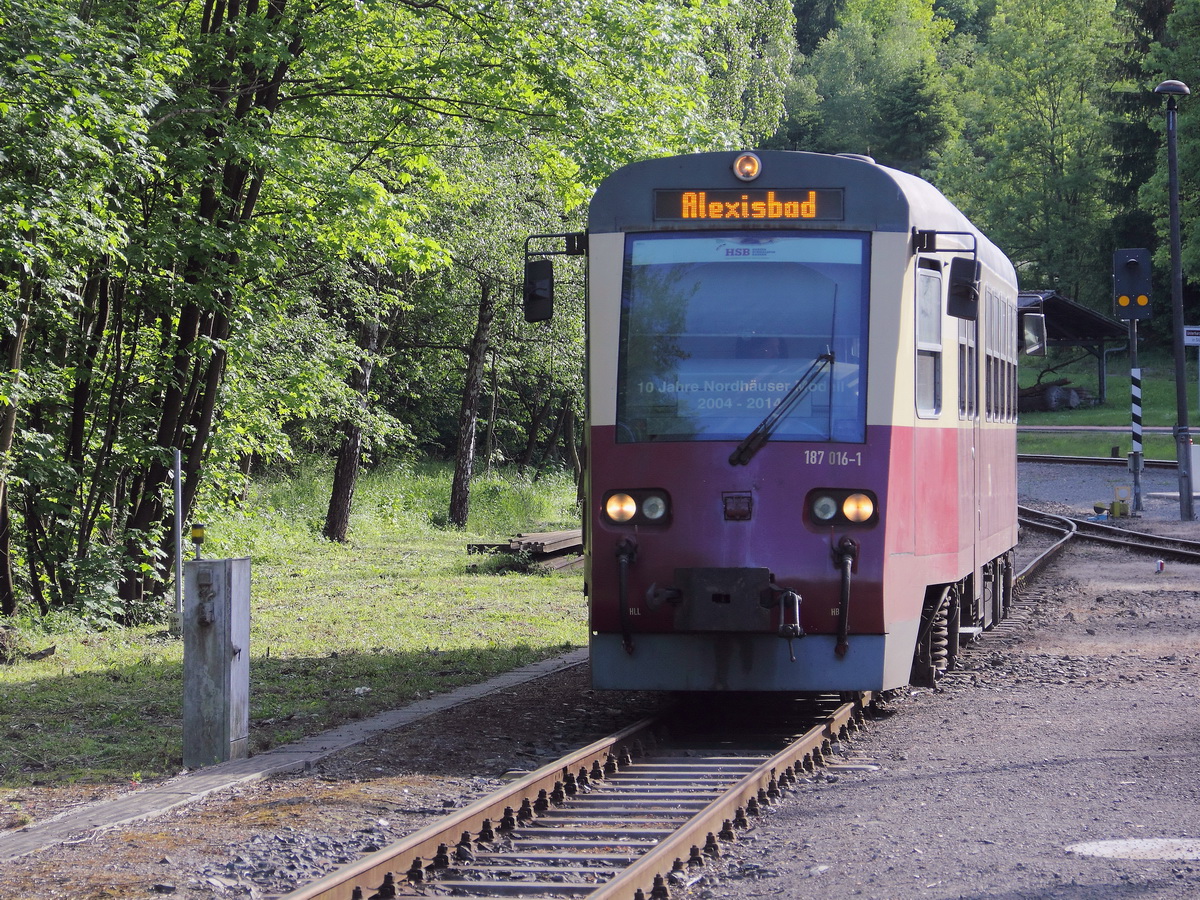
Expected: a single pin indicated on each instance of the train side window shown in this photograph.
(929, 339)
(968, 370)
(992, 350)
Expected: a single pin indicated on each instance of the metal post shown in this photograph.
(178, 475)
(1135, 385)
(1183, 442)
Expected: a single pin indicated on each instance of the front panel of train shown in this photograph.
(736, 491)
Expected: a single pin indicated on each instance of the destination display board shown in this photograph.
(790, 205)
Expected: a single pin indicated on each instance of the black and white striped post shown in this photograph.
(1135, 384)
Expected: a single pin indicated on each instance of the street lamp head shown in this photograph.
(1173, 88)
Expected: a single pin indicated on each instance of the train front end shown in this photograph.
(780, 472)
(737, 484)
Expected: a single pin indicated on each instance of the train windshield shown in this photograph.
(717, 328)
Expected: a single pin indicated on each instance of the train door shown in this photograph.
(971, 379)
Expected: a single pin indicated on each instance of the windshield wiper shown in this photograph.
(755, 440)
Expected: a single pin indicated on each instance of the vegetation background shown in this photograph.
(338, 630)
(283, 240)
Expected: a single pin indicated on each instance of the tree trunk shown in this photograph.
(578, 456)
(552, 441)
(8, 595)
(468, 416)
(345, 473)
(345, 477)
(489, 441)
(569, 447)
(540, 414)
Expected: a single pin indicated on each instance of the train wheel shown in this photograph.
(937, 643)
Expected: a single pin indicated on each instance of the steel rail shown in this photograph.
(639, 850)
(1170, 547)
(1093, 460)
(1178, 549)
(1042, 521)
(371, 869)
(646, 877)
(636, 835)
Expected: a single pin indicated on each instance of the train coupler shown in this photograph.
(656, 596)
(789, 625)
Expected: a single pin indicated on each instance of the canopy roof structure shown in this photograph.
(1071, 324)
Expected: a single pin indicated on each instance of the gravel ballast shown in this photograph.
(1078, 725)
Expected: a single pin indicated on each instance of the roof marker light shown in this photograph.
(747, 166)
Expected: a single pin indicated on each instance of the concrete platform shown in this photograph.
(190, 786)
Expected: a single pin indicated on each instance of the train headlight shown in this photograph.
(654, 507)
(634, 507)
(747, 166)
(858, 507)
(620, 507)
(839, 506)
(824, 508)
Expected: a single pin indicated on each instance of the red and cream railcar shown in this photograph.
(801, 461)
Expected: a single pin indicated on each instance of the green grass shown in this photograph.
(1154, 446)
(338, 632)
(1158, 406)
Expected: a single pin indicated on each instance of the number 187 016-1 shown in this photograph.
(832, 457)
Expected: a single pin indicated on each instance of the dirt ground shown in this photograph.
(263, 839)
(1077, 722)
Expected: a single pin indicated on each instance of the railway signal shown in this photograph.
(1131, 284)
(1131, 302)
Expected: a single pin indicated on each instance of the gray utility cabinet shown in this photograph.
(216, 661)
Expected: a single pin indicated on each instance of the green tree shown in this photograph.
(915, 117)
(1175, 57)
(874, 85)
(1031, 164)
(77, 93)
(224, 219)
(750, 52)
(814, 20)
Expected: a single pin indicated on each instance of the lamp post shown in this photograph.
(1173, 90)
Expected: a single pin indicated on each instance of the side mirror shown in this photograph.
(963, 299)
(538, 290)
(1033, 334)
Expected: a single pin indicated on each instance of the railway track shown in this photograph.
(1060, 528)
(1085, 529)
(1120, 461)
(638, 813)
(622, 819)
